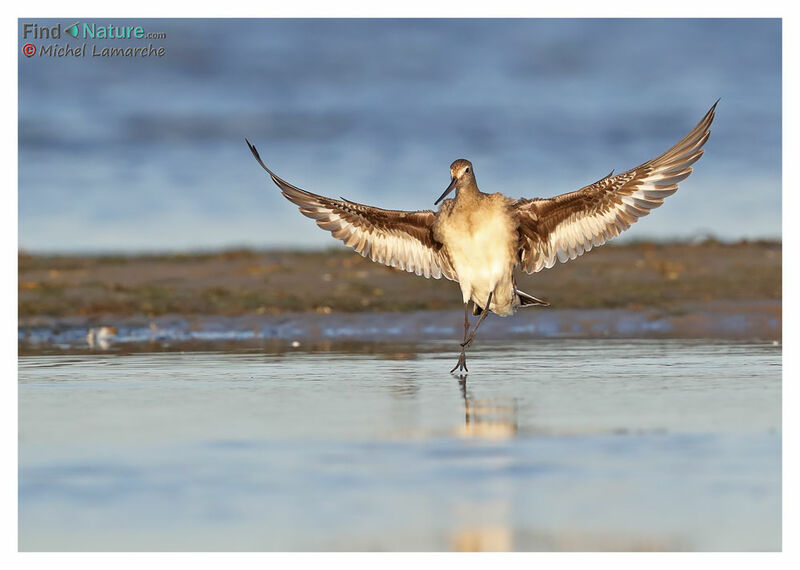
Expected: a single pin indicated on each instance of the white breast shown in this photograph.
(481, 244)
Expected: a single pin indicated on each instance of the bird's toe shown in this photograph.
(461, 365)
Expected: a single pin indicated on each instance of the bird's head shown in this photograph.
(461, 175)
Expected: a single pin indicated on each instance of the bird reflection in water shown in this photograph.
(490, 539)
(485, 526)
(492, 418)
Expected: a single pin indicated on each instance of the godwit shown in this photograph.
(479, 239)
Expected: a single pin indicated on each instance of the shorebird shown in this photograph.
(479, 239)
(101, 337)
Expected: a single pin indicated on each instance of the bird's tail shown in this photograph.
(526, 300)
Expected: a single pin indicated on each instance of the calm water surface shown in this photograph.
(552, 445)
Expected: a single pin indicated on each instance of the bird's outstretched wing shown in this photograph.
(568, 225)
(393, 237)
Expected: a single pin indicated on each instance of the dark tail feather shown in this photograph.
(526, 300)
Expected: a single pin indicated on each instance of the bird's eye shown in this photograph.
(467, 170)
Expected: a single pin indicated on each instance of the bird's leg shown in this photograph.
(466, 320)
(462, 360)
(480, 320)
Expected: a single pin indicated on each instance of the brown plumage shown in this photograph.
(571, 224)
(395, 238)
(479, 239)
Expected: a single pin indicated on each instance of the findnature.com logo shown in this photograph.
(89, 31)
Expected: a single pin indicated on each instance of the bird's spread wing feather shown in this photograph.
(568, 225)
(393, 237)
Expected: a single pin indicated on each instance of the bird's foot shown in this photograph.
(461, 365)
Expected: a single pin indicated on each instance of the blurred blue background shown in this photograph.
(132, 154)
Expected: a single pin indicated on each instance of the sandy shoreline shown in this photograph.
(240, 282)
(641, 290)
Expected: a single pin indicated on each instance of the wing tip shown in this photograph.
(280, 183)
(710, 114)
(257, 156)
(252, 148)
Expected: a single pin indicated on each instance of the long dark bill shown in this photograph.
(446, 192)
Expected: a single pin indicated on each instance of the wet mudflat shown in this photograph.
(550, 444)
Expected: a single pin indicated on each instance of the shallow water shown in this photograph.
(547, 445)
(754, 321)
